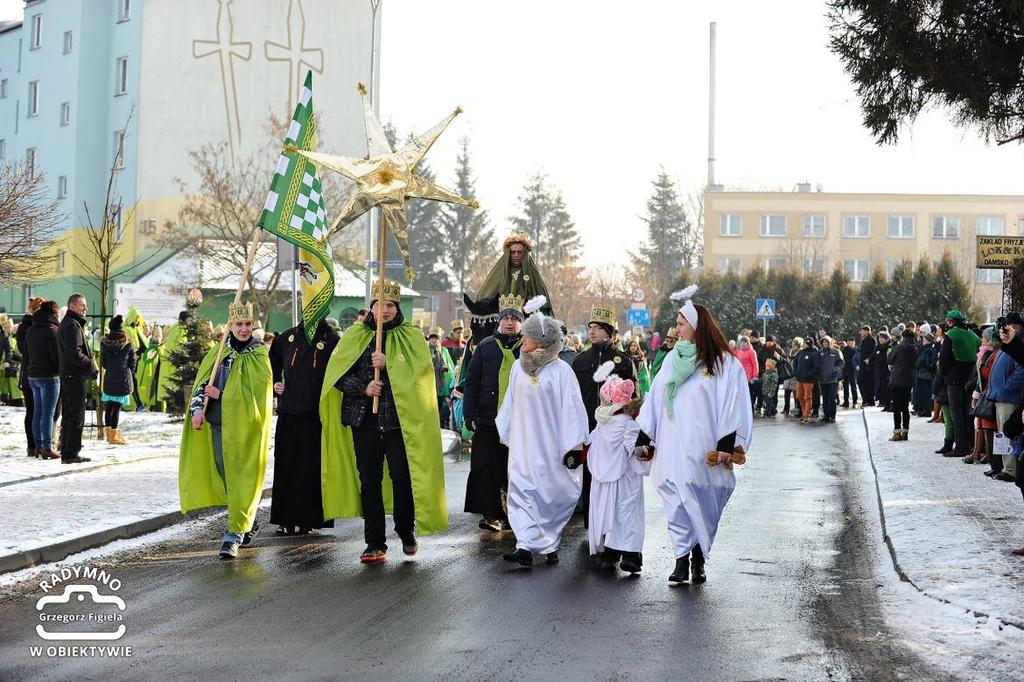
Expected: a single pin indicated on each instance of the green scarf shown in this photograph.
(965, 344)
(682, 369)
(411, 374)
(247, 405)
(508, 358)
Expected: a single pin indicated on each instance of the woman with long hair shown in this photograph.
(699, 416)
(643, 368)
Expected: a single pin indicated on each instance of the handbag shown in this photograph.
(985, 409)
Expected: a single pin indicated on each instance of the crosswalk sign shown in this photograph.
(765, 309)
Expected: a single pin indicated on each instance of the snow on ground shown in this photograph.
(951, 527)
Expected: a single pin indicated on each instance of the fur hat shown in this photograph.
(544, 330)
(617, 391)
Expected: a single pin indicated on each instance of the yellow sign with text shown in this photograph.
(1000, 253)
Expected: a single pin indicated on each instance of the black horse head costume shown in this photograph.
(483, 317)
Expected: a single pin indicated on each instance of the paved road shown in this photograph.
(790, 596)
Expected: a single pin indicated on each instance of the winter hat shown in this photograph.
(688, 312)
(925, 328)
(956, 316)
(930, 338)
(116, 323)
(184, 315)
(614, 389)
(544, 330)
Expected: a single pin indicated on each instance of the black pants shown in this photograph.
(788, 395)
(849, 391)
(72, 421)
(29, 405)
(829, 398)
(866, 380)
(963, 424)
(372, 447)
(298, 500)
(900, 408)
(488, 474)
(111, 414)
(816, 399)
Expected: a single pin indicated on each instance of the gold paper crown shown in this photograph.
(513, 301)
(437, 330)
(603, 315)
(457, 324)
(672, 333)
(518, 238)
(238, 312)
(392, 291)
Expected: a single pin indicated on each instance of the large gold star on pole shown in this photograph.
(386, 178)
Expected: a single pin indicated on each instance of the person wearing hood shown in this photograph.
(43, 346)
(543, 422)
(117, 357)
(175, 337)
(924, 374)
(515, 272)
(77, 367)
(483, 393)
(404, 430)
(224, 446)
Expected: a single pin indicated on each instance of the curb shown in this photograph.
(80, 470)
(892, 548)
(61, 550)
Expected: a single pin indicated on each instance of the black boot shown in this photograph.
(947, 447)
(631, 562)
(697, 565)
(682, 572)
(520, 556)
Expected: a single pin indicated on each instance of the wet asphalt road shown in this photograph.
(789, 596)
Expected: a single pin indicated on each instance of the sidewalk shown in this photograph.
(950, 527)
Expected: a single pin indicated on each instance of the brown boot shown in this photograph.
(897, 436)
(115, 437)
(48, 453)
(107, 434)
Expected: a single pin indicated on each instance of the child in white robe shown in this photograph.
(616, 523)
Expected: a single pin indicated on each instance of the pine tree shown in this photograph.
(426, 239)
(186, 360)
(546, 219)
(467, 236)
(670, 239)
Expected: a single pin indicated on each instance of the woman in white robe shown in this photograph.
(541, 419)
(690, 411)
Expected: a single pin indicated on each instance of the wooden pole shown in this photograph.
(254, 242)
(382, 255)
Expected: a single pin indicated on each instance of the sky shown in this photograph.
(600, 95)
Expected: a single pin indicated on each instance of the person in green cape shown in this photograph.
(444, 374)
(671, 336)
(224, 447)
(147, 372)
(483, 393)
(173, 340)
(515, 273)
(135, 330)
(405, 431)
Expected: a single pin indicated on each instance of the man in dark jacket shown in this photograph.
(848, 350)
(831, 373)
(957, 358)
(866, 370)
(883, 394)
(483, 392)
(807, 371)
(298, 367)
(901, 361)
(76, 368)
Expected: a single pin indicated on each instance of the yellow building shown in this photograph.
(818, 231)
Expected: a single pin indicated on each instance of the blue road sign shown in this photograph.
(765, 309)
(638, 318)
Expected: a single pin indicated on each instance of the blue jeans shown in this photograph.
(218, 458)
(44, 404)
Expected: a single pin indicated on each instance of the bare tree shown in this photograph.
(29, 219)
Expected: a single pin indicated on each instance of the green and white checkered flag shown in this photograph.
(295, 212)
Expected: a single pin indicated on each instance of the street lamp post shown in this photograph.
(371, 224)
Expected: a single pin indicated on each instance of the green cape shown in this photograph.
(145, 371)
(659, 358)
(412, 384)
(173, 339)
(246, 409)
(965, 344)
(528, 284)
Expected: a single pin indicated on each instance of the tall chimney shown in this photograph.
(711, 114)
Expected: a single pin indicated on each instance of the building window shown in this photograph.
(3, 88)
(856, 226)
(60, 260)
(121, 86)
(890, 268)
(118, 226)
(3, 148)
(730, 264)
(33, 98)
(814, 225)
(775, 263)
(118, 149)
(65, 113)
(989, 276)
(124, 10)
(773, 225)
(730, 225)
(990, 226)
(814, 266)
(856, 270)
(67, 42)
(1020, 225)
(37, 31)
(30, 161)
(945, 227)
(901, 227)
(62, 187)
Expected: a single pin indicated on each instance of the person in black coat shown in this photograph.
(849, 374)
(299, 367)
(43, 345)
(76, 368)
(482, 395)
(866, 370)
(901, 363)
(880, 363)
(117, 357)
(807, 371)
(21, 341)
(1014, 347)
(924, 374)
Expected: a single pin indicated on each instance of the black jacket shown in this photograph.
(848, 369)
(831, 370)
(587, 362)
(356, 407)
(867, 351)
(956, 373)
(42, 346)
(880, 363)
(807, 366)
(480, 391)
(301, 367)
(764, 353)
(75, 353)
(118, 360)
(20, 339)
(901, 364)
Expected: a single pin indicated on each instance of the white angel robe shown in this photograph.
(705, 410)
(541, 420)
(616, 487)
